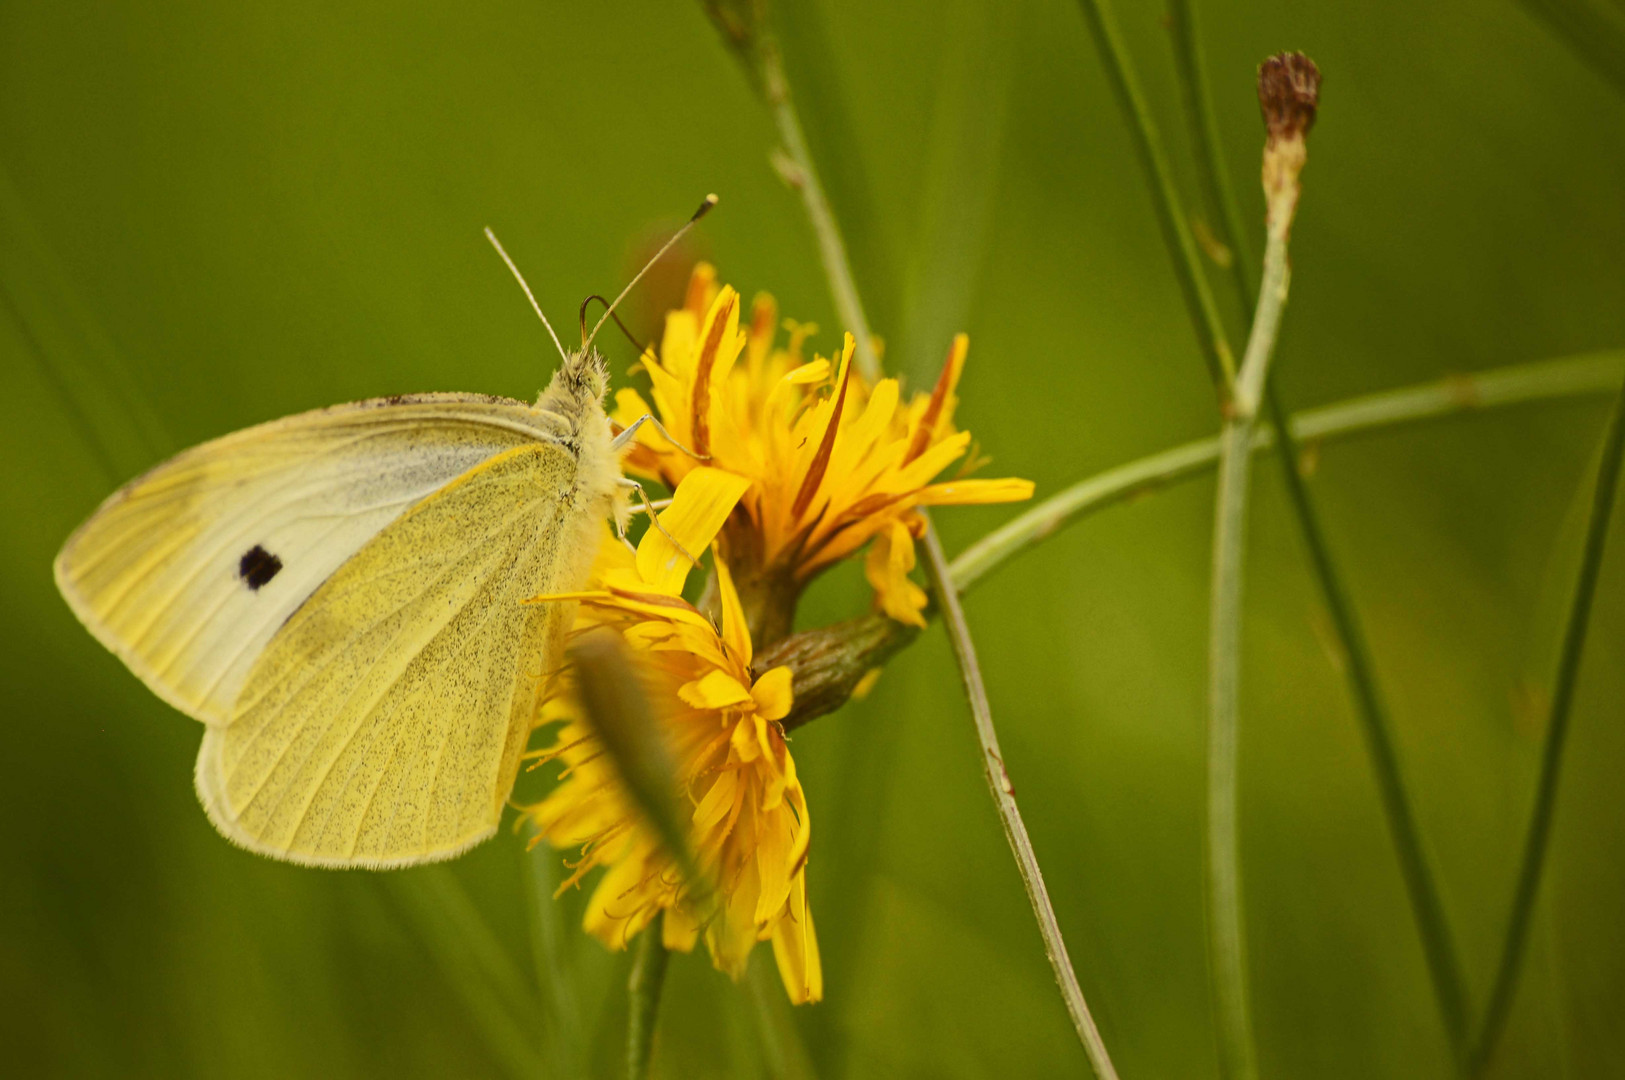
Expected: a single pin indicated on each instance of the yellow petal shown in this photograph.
(717, 690)
(817, 371)
(795, 947)
(679, 930)
(735, 632)
(744, 740)
(620, 905)
(714, 807)
(938, 412)
(890, 559)
(699, 506)
(773, 868)
(772, 694)
(969, 492)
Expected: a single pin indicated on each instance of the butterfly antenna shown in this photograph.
(636, 344)
(710, 201)
(491, 236)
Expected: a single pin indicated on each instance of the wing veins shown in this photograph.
(236, 538)
(440, 755)
(316, 670)
(379, 723)
(273, 613)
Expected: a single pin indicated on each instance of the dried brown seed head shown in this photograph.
(1288, 94)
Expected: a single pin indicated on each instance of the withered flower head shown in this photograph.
(1288, 94)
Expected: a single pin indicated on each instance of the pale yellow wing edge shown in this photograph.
(114, 644)
(207, 794)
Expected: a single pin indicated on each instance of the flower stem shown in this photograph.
(648, 976)
(1433, 926)
(1288, 87)
(1004, 799)
(796, 166)
(1227, 949)
(1176, 233)
(1551, 761)
(1516, 384)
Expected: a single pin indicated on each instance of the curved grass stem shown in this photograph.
(1004, 799)
(1438, 943)
(1551, 760)
(1516, 384)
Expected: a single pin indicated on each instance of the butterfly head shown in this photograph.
(584, 375)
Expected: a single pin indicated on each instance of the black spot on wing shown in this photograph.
(258, 566)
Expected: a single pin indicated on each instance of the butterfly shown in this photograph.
(338, 597)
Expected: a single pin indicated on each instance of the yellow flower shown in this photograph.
(748, 825)
(833, 462)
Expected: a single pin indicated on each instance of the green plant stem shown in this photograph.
(1004, 799)
(1542, 380)
(798, 170)
(648, 976)
(1557, 727)
(1227, 947)
(1204, 313)
(1191, 69)
(803, 175)
(1427, 906)
(1433, 927)
(1226, 917)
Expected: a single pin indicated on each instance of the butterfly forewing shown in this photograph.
(187, 572)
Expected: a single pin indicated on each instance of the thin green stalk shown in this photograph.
(1227, 225)
(798, 170)
(839, 272)
(1227, 940)
(1288, 89)
(1427, 906)
(1557, 727)
(1227, 943)
(1516, 384)
(1004, 799)
(1204, 313)
(648, 976)
(1438, 944)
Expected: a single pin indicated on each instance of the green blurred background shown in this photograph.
(217, 214)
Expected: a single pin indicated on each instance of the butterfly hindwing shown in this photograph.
(383, 724)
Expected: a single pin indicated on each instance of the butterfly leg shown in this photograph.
(654, 519)
(647, 418)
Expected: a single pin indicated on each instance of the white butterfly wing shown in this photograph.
(187, 572)
(383, 726)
